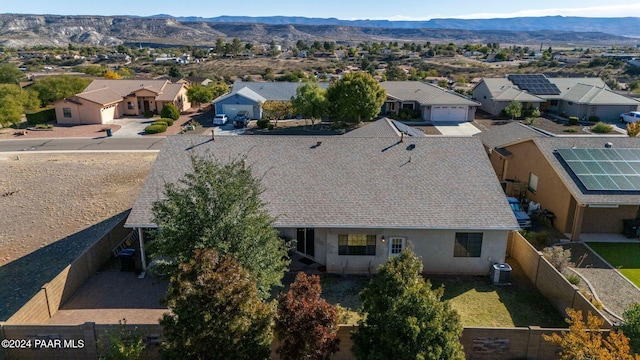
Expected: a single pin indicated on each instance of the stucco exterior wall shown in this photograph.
(551, 192)
(434, 246)
(606, 220)
(87, 113)
(481, 93)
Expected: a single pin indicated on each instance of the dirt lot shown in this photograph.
(46, 197)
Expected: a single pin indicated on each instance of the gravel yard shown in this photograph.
(47, 198)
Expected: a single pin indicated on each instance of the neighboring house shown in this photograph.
(249, 96)
(352, 202)
(105, 100)
(591, 184)
(585, 98)
(432, 102)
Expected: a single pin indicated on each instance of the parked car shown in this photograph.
(523, 218)
(241, 120)
(220, 119)
(630, 117)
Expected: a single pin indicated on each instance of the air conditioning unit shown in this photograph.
(500, 274)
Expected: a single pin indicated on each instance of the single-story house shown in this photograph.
(432, 102)
(591, 184)
(248, 96)
(585, 98)
(350, 203)
(105, 100)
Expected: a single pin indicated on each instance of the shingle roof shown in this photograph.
(549, 144)
(384, 127)
(589, 94)
(504, 135)
(438, 183)
(126, 87)
(280, 91)
(245, 92)
(512, 93)
(101, 96)
(424, 93)
(565, 84)
(169, 92)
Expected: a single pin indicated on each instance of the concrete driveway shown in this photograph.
(456, 129)
(227, 129)
(131, 127)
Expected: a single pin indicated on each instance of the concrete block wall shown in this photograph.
(47, 301)
(551, 283)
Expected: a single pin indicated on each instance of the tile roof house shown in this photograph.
(352, 202)
(585, 98)
(104, 100)
(595, 196)
(248, 96)
(433, 103)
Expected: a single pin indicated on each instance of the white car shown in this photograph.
(630, 117)
(220, 119)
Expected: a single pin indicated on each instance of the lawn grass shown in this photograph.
(623, 256)
(477, 301)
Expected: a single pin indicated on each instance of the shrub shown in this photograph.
(631, 326)
(408, 114)
(573, 120)
(148, 114)
(633, 129)
(570, 129)
(537, 239)
(155, 129)
(594, 119)
(558, 257)
(573, 279)
(602, 128)
(263, 123)
(169, 121)
(170, 111)
(160, 122)
(41, 116)
(44, 126)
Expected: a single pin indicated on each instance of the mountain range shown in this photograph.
(19, 30)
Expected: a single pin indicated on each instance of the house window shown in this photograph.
(533, 183)
(66, 112)
(356, 244)
(391, 106)
(408, 106)
(468, 245)
(129, 105)
(553, 103)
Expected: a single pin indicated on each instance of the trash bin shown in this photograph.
(500, 274)
(109, 132)
(127, 260)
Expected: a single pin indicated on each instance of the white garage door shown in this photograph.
(231, 110)
(449, 113)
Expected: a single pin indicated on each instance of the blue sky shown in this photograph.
(342, 9)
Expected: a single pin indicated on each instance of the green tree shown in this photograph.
(301, 310)
(123, 343)
(10, 74)
(220, 46)
(53, 88)
(394, 73)
(236, 46)
(310, 102)
(199, 94)
(170, 111)
(631, 325)
(174, 71)
(514, 109)
(405, 318)
(218, 89)
(218, 206)
(15, 102)
(357, 96)
(276, 110)
(216, 312)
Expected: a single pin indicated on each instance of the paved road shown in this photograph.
(84, 144)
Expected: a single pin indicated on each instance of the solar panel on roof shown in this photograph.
(609, 170)
(536, 84)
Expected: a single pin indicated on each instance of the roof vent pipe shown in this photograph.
(608, 145)
(318, 143)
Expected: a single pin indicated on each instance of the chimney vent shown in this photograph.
(318, 143)
(608, 145)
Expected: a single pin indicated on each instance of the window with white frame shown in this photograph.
(396, 245)
(533, 183)
(129, 105)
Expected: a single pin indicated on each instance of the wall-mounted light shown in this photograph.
(383, 239)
